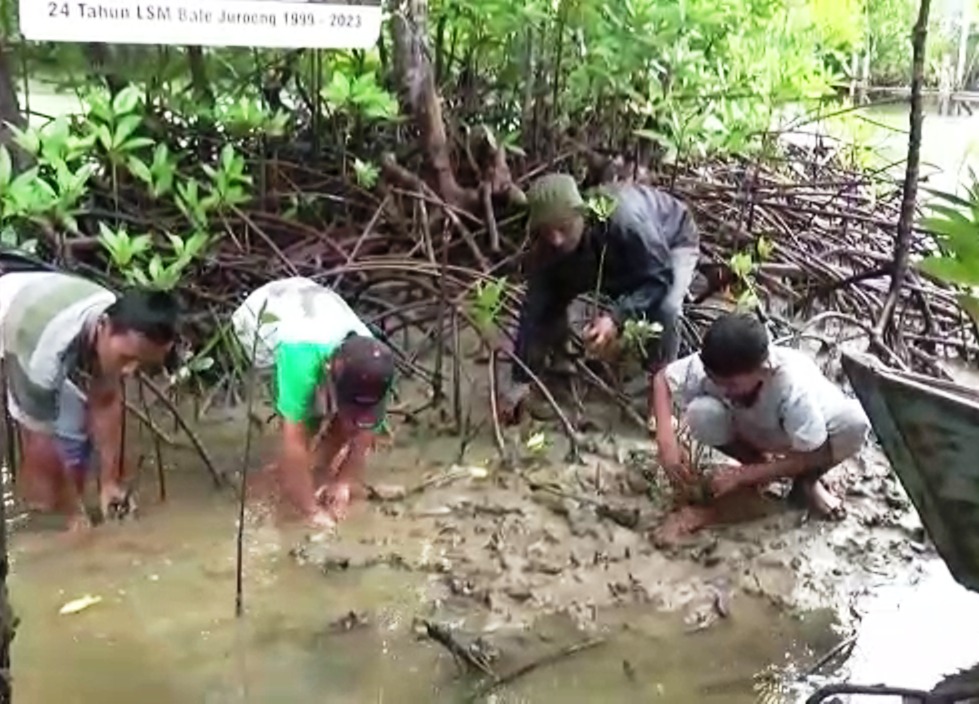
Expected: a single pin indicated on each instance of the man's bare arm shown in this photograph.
(661, 412)
(295, 466)
(788, 467)
(106, 409)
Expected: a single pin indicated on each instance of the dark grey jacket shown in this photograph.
(636, 270)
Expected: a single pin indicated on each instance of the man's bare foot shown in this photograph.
(681, 523)
(823, 502)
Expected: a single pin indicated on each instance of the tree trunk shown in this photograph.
(902, 244)
(9, 105)
(416, 80)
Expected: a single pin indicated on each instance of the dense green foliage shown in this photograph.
(178, 149)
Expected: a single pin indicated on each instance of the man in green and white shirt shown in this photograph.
(332, 377)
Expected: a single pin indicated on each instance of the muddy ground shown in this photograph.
(452, 549)
(501, 546)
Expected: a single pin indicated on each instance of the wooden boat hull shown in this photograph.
(929, 430)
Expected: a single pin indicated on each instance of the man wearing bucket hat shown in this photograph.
(332, 381)
(642, 257)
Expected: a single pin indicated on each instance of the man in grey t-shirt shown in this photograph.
(65, 343)
(768, 407)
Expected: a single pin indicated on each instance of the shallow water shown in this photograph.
(915, 634)
(165, 629)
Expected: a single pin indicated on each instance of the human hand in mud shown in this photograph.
(676, 466)
(511, 402)
(681, 477)
(725, 480)
(599, 333)
(320, 519)
(334, 499)
(115, 502)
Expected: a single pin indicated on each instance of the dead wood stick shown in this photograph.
(839, 648)
(444, 637)
(574, 451)
(544, 661)
(625, 517)
(435, 482)
(495, 410)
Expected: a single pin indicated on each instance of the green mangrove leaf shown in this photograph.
(951, 271)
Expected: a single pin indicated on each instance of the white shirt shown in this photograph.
(794, 407)
(293, 310)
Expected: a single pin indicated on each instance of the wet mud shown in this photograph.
(458, 578)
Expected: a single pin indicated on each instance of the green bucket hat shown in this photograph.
(553, 198)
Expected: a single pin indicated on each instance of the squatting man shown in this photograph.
(768, 407)
(332, 381)
(66, 344)
(642, 257)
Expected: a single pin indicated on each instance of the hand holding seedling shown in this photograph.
(600, 333)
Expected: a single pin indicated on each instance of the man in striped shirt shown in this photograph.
(66, 343)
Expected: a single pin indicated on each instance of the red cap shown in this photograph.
(362, 370)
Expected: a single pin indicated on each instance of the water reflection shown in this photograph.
(917, 635)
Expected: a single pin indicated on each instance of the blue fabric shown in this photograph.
(74, 453)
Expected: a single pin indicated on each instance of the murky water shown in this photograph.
(165, 629)
(913, 635)
(949, 144)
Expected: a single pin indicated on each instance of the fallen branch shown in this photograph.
(544, 661)
(461, 653)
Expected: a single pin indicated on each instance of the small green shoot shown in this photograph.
(486, 303)
(601, 206)
(637, 334)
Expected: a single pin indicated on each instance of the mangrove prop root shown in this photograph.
(157, 446)
(413, 255)
(143, 416)
(218, 477)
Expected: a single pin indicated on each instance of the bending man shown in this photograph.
(332, 380)
(768, 407)
(66, 344)
(643, 257)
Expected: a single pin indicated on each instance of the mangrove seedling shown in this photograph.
(486, 304)
(637, 334)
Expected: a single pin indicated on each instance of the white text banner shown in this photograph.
(260, 23)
